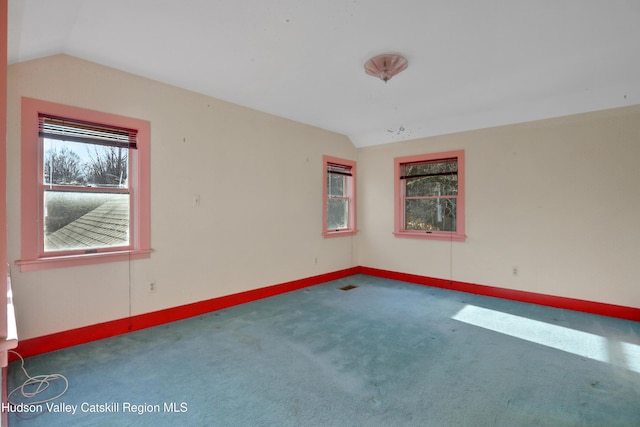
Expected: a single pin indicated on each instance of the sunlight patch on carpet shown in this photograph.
(581, 343)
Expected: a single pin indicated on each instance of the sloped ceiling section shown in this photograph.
(472, 64)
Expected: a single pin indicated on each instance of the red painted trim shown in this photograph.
(60, 340)
(82, 259)
(604, 309)
(32, 253)
(34, 346)
(351, 221)
(399, 227)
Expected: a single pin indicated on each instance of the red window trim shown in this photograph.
(32, 257)
(399, 231)
(351, 229)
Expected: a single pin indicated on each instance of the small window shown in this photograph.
(430, 196)
(85, 184)
(338, 197)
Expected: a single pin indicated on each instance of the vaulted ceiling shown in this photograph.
(472, 63)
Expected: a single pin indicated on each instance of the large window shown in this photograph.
(85, 188)
(339, 216)
(430, 196)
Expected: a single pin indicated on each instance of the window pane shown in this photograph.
(431, 179)
(336, 185)
(72, 163)
(85, 220)
(337, 215)
(431, 168)
(432, 186)
(437, 214)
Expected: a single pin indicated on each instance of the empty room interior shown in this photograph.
(227, 213)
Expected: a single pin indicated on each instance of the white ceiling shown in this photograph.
(472, 63)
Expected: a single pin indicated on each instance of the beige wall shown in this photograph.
(259, 178)
(559, 199)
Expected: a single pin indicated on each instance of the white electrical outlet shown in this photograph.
(152, 287)
(515, 271)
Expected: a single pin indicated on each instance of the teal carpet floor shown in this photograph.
(384, 353)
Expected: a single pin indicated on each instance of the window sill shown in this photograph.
(339, 233)
(426, 235)
(46, 263)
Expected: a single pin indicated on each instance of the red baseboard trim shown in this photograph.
(604, 309)
(44, 344)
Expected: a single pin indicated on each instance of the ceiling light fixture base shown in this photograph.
(386, 66)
